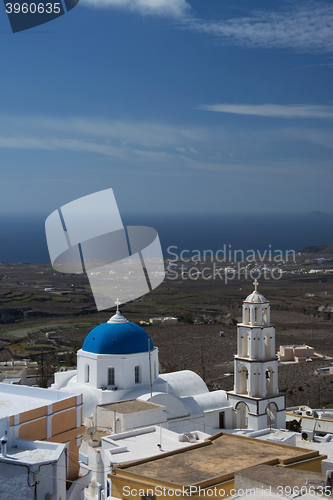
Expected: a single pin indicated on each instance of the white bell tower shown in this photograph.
(256, 398)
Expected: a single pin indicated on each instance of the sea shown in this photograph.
(23, 235)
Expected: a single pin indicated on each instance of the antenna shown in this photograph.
(91, 431)
(149, 357)
(160, 443)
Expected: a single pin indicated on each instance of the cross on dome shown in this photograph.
(117, 318)
(255, 283)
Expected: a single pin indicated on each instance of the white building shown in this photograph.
(32, 469)
(256, 397)
(118, 375)
(41, 433)
(118, 361)
(102, 452)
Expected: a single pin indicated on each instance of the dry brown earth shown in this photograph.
(68, 313)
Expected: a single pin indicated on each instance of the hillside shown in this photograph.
(325, 249)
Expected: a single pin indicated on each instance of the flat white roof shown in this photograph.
(15, 399)
(32, 452)
(325, 448)
(31, 456)
(142, 443)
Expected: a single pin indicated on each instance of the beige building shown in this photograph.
(297, 353)
(127, 415)
(206, 469)
(32, 413)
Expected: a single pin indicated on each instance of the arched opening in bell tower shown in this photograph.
(246, 315)
(242, 411)
(269, 381)
(245, 345)
(256, 384)
(264, 316)
(271, 412)
(268, 346)
(243, 380)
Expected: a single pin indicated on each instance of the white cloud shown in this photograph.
(123, 140)
(303, 27)
(274, 110)
(322, 65)
(176, 8)
(154, 147)
(126, 134)
(300, 26)
(53, 143)
(320, 137)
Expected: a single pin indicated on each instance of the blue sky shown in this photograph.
(178, 105)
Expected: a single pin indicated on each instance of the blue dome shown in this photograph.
(113, 338)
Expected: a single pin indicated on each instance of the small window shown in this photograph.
(137, 374)
(111, 375)
(108, 488)
(155, 371)
(86, 374)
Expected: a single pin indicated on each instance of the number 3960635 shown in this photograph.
(33, 8)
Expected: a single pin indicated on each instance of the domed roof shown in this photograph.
(256, 297)
(117, 336)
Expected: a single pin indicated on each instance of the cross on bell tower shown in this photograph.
(117, 304)
(256, 283)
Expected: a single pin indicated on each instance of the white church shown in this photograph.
(118, 362)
